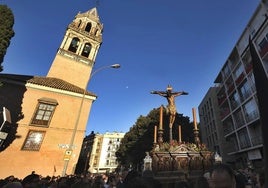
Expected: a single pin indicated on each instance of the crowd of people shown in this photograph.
(220, 176)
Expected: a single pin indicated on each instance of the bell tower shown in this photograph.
(76, 55)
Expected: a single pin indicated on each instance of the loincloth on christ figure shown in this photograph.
(171, 110)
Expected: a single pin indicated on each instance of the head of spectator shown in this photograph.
(31, 181)
(222, 176)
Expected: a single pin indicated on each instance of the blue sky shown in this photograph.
(181, 43)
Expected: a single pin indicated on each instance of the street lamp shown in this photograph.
(114, 66)
(69, 150)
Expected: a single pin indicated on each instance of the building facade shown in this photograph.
(49, 113)
(236, 95)
(98, 152)
(211, 125)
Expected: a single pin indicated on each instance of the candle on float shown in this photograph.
(161, 118)
(179, 133)
(194, 119)
(155, 133)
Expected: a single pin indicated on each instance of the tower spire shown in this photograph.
(76, 55)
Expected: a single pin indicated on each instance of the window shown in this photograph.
(235, 100)
(251, 82)
(44, 112)
(263, 46)
(244, 91)
(86, 50)
(247, 61)
(34, 140)
(251, 110)
(88, 27)
(79, 23)
(238, 71)
(263, 43)
(238, 118)
(243, 139)
(226, 71)
(74, 45)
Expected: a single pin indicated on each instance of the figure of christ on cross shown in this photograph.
(171, 107)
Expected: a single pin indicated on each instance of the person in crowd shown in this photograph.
(31, 181)
(121, 177)
(105, 179)
(13, 185)
(97, 182)
(222, 176)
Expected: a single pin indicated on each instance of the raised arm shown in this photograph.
(162, 93)
(180, 93)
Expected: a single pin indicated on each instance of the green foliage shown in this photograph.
(140, 137)
(6, 31)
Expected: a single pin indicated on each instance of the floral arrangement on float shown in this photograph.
(174, 145)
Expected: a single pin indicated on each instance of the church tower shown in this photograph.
(76, 55)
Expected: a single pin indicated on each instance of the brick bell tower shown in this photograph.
(76, 55)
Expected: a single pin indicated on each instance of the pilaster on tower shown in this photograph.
(76, 55)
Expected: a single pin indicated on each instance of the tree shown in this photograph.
(6, 31)
(140, 137)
